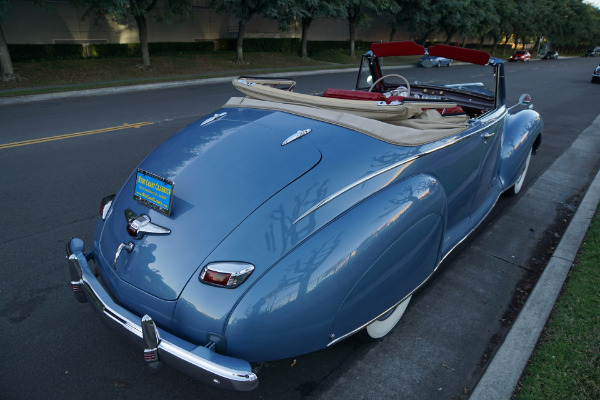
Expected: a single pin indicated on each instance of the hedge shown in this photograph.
(36, 52)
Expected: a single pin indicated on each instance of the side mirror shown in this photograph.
(525, 99)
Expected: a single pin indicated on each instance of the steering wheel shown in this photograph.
(388, 76)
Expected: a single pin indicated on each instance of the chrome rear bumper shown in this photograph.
(199, 362)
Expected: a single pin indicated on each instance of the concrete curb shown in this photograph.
(154, 86)
(506, 368)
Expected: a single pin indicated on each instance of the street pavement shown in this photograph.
(565, 178)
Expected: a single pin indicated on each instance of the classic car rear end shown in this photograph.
(285, 222)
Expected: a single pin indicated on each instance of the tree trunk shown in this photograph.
(481, 40)
(245, 15)
(351, 29)
(240, 41)
(449, 37)
(393, 31)
(494, 46)
(536, 47)
(424, 37)
(143, 32)
(353, 16)
(306, 22)
(505, 45)
(6, 68)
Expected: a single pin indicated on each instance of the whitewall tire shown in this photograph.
(521, 179)
(382, 326)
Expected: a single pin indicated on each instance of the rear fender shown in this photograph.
(407, 263)
(522, 133)
(311, 296)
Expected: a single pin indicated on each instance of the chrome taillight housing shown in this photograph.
(226, 274)
(105, 206)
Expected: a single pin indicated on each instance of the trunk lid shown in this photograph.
(222, 172)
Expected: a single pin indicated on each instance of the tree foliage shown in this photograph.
(568, 23)
(572, 24)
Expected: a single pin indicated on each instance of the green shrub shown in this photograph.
(32, 52)
(36, 52)
(324, 45)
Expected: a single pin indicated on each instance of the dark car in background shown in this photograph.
(592, 52)
(521, 55)
(550, 55)
(596, 75)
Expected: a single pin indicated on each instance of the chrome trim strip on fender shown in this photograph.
(452, 141)
(352, 185)
(442, 259)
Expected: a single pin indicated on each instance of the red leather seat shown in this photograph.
(458, 110)
(353, 95)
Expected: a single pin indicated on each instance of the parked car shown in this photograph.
(596, 75)
(550, 55)
(285, 222)
(521, 55)
(430, 61)
(592, 52)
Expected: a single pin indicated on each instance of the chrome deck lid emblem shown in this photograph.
(138, 225)
(296, 136)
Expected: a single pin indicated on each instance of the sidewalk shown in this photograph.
(504, 371)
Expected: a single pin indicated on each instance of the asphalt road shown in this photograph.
(59, 158)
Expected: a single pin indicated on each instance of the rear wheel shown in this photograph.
(521, 179)
(384, 325)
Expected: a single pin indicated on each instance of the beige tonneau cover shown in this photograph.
(406, 124)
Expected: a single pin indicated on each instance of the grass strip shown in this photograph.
(566, 361)
(59, 75)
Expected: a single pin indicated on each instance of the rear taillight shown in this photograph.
(105, 206)
(226, 274)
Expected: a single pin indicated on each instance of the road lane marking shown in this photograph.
(73, 135)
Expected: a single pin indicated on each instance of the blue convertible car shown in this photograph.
(285, 222)
(431, 61)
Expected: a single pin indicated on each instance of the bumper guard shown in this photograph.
(199, 362)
